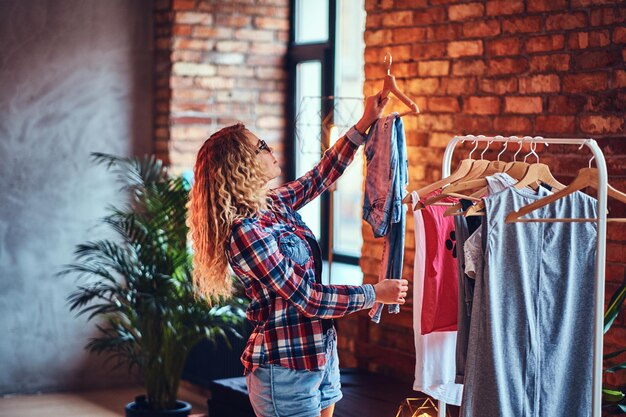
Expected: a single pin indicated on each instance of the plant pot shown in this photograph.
(138, 408)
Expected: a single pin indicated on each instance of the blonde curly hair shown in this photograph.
(229, 184)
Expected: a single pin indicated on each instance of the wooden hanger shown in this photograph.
(390, 86)
(538, 173)
(587, 177)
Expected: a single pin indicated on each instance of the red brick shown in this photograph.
(254, 35)
(507, 66)
(619, 34)
(399, 53)
(271, 23)
(194, 18)
(523, 105)
(545, 5)
(531, 24)
(550, 63)
(565, 104)
(448, 31)
(601, 124)
(555, 124)
(619, 79)
(459, 86)
(544, 43)
(268, 48)
(410, 4)
(374, 54)
(607, 16)
(373, 21)
(193, 44)
(435, 122)
(512, 124)
(433, 68)
(566, 21)
(504, 7)
(481, 105)
(186, 56)
(483, 28)
(443, 104)
(597, 59)
(429, 51)
(499, 86)
(591, 81)
(404, 69)
(395, 19)
(378, 37)
(466, 124)
(465, 11)
(605, 102)
(430, 16)
(472, 67)
(181, 30)
(212, 32)
(184, 5)
(548, 83)
(419, 86)
(232, 46)
(506, 46)
(465, 48)
(409, 35)
(583, 40)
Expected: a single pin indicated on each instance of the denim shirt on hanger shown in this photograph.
(385, 186)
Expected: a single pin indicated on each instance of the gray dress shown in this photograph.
(530, 344)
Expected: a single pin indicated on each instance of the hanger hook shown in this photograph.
(388, 59)
(506, 145)
(472, 151)
(533, 146)
(592, 158)
(489, 142)
(521, 143)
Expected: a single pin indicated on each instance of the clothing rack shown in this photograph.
(596, 403)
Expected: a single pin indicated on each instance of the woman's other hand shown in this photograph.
(391, 291)
(374, 107)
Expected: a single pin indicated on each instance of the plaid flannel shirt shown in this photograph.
(276, 267)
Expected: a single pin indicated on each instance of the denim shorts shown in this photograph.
(276, 391)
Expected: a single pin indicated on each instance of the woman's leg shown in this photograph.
(328, 411)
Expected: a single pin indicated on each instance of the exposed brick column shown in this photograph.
(218, 62)
(532, 67)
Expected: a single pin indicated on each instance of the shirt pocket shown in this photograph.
(294, 248)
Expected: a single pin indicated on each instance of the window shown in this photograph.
(326, 64)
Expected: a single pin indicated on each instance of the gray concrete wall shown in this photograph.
(75, 77)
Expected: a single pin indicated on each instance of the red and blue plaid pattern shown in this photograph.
(287, 305)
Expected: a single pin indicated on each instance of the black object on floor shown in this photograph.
(365, 394)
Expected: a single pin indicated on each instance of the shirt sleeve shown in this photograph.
(299, 192)
(256, 253)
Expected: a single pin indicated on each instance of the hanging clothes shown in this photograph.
(434, 352)
(530, 346)
(385, 185)
(440, 298)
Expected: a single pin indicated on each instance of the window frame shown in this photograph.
(324, 52)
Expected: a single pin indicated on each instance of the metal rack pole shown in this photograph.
(598, 340)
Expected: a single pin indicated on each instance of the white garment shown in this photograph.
(435, 366)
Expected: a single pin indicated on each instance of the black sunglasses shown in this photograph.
(263, 147)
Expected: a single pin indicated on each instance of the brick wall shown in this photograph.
(549, 68)
(218, 62)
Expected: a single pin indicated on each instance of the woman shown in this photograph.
(290, 360)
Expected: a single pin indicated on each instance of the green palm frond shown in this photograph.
(140, 282)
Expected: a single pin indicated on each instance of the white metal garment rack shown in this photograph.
(601, 244)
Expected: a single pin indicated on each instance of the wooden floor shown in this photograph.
(104, 403)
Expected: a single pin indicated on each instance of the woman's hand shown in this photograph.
(391, 291)
(374, 107)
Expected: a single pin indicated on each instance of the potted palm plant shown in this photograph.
(614, 397)
(143, 290)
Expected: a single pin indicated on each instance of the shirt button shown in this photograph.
(293, 229)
